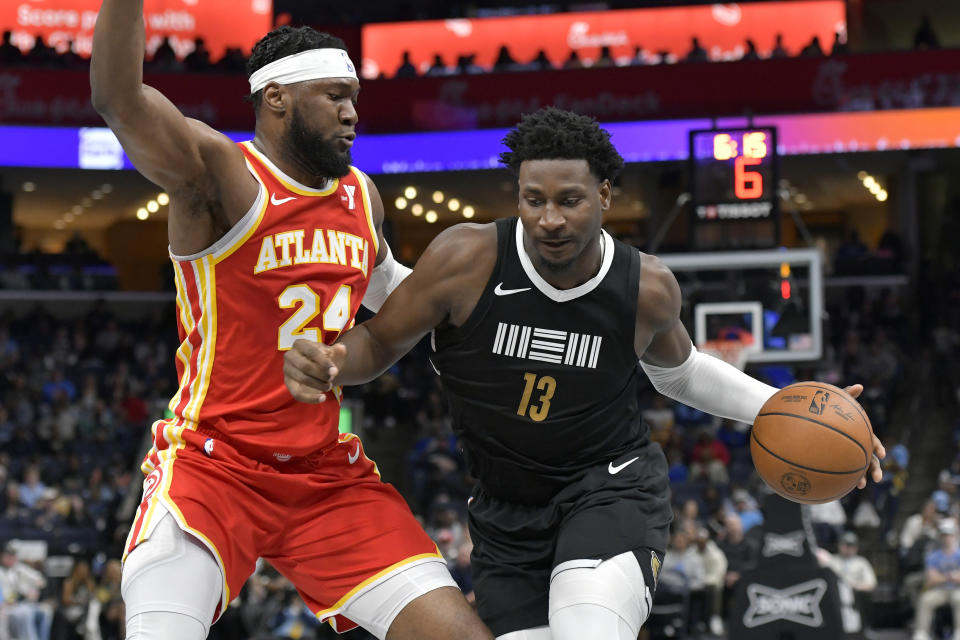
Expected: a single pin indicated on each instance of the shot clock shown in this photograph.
(734, 188)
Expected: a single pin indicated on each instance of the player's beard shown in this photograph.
(316, 153)
(557, 267)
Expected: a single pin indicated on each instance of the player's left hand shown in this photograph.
(879, 453)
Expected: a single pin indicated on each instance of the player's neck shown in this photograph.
(287, 162)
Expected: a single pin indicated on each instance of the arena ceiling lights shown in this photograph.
(433, 206)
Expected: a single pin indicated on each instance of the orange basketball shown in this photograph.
(811, 442)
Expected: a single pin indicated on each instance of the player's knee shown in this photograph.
(607, 599)
(163, 625)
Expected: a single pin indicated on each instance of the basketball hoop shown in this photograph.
(730, 351)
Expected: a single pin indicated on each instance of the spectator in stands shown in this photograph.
(541, 62)
(32, 487)
(233, 61)
(573, 61)
(697, 53)
(406, 68)
(942, 583)
(886, 493)
(688, 520)
(198, 60)
(747, 510)
(925, 37)
(828, 520)
(9, 53)
(741, 554)
(438, 68)
(682, 557)
(709, 460)
(70, 59)
(853, 570)
(41, 55)
(946, 493)
(76, 593)
(661, 420)
(840, 47)
(813, 48)
(21, 586)
(108, 610)
(751, 52)
(165, 58)
(638, 60)
(714, 573)
(504, 61)
(460, 570)
(466, 64)
(605, 59)
(779, 51)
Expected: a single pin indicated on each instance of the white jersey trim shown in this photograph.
(565, 295)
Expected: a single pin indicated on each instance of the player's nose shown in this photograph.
(551, 219)
(348, 113)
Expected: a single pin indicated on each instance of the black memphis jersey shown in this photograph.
(542, 382)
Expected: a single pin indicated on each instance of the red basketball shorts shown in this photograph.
(326, 522)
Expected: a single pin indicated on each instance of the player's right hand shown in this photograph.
(310, 369)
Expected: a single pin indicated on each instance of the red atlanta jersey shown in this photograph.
(296, 266)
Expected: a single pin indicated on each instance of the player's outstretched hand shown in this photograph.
(310, 369)
(879, 453)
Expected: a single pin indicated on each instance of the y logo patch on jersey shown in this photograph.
(547, 345)
(349, 190)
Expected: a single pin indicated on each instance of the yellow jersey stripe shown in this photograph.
(367, 208)
(284, 180)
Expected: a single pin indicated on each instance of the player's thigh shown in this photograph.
(607, 599)
(439, 614)
(171, 573)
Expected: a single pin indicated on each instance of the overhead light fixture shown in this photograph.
(106, 187)
(468, 212)
(875, 188)
(431, 216)
(869, 182)
(77, 209)
(87, 202)
(861, 175)
(152, 206)
(410, 193)
(882, 195)
(800, 198)
(96, 194)
(453, 204)
(400, 203)
(163, 199)
(68, 216)
(417, 209)
(59, 224)
(437, 196)
(29, 187)
(142, 214)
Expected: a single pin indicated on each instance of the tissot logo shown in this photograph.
(799, 603)
(790, 544)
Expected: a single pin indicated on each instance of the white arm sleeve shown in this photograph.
(386, 277)
(711, 385)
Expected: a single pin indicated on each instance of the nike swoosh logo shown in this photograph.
(614, 470)
(500, 291)
(275, 200)
(351, 458)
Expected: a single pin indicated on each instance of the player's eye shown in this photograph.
(534, 202)
(571, 202)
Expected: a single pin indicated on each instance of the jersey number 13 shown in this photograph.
(547, 385)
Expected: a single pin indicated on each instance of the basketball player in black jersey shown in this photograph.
(538, 323)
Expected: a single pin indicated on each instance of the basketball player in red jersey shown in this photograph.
(273, 240)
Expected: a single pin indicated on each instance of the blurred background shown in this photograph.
(795, 161)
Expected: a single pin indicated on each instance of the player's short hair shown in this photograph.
(285, 41)
(555, 134)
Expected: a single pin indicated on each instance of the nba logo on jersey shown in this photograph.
(208, 447)
(546, 345)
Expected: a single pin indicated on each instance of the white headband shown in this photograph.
(313, 64)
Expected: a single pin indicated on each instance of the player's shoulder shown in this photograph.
(462, 247)
(658, 296)
(212, 144)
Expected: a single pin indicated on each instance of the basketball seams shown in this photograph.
(846, 435)
(801, 466)
(850, 400)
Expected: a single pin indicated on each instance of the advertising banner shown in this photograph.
(722, 30)
(222, 23)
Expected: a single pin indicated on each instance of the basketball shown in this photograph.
(811, 442)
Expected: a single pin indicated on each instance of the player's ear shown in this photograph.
(275, 98)
(606, 192)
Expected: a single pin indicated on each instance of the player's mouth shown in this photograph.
(346, 140)
(555, 245)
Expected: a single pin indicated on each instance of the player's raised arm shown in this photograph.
(166, 147)
(445, 285)
(674, 365)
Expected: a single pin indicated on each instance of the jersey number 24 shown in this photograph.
(335, 316)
